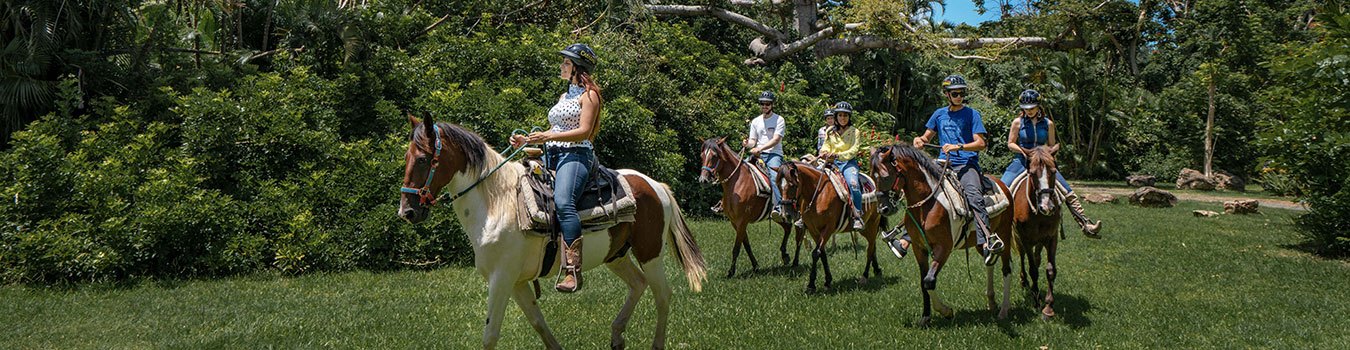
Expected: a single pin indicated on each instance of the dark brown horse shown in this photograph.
(1036, 219)
(825, 213)
(904, 169)
(741, 206)
(447, 157)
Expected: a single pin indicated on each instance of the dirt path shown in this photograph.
(1189, 196)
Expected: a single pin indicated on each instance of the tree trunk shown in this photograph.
(1209, 130)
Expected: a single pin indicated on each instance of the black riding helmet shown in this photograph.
(953, 82)
(766, 96)
(581, 55)
(1029, 99)
(842, 106)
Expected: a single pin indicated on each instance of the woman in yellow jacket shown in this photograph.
(841, 145)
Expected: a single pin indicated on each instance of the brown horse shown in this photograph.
(446, 156)
(741, 206)
(1036, 220)
(825, 213)
(905, 169)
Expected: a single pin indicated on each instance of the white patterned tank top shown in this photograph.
(566, 116)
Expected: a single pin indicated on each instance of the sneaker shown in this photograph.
(799, 223)
(717, 208)
(776, 215)
(857, 224)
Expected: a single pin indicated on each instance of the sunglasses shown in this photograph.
(957, 93)
(766, 104)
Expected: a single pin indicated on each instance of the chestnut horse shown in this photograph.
(1036, 220)
(901, 168)
(825, 213)
(446, 156)
(741, 206)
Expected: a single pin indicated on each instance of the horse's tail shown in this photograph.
(686, 248)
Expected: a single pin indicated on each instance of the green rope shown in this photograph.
(505, 160)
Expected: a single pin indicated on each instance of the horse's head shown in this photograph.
(884, 170)
(1041, 175)
(712, 159)
(436, 153)
(893, 166)
(790, 176)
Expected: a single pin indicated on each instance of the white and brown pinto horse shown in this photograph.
(1036, 223)
(904, 169)
(446, 156)
(741, 205)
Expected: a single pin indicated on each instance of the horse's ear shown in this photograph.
(722, 140)
(430, 126)
(412, 120)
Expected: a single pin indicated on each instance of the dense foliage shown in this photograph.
(200, 138)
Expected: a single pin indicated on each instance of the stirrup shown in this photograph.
(893, 238)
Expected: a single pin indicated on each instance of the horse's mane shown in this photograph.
(473, 145)
(918, 157)
(717, 145)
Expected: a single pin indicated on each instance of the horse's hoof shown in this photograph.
(1047, 313)
(862, 280)
(810, 289)
(1002, 315)
(923, 322)
(929, 284)
(731, 273)
(616, 346)
(786, 259)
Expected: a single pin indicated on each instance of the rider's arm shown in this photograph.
(1012, 136)
(590, 108)
(927, 137)
(978, 145)
(1050, 140)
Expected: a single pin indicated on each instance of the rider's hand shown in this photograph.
(537, 137)
(949, 148)
(918, 142)
(756, 150)
(517, 140)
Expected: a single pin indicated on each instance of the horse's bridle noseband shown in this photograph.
(424, 194)
(713, 169)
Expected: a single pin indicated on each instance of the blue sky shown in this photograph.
(963, 11)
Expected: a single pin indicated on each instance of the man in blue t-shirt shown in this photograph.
(961, 133)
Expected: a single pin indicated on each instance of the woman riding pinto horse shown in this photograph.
(1031, 129)
(446, 156)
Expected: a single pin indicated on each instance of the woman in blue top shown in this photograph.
(1033, 128)
(575, 120)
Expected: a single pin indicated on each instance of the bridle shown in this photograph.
(713, 169)
(424, 194)
(796, 190)
(1047, 190)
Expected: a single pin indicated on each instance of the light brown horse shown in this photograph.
(825, 214)
(904, 169)
(446, 156)
(1036, 219)
(741, 206)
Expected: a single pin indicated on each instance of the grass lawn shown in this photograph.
(1161, 279)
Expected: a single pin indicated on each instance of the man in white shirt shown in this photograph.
(765, 139)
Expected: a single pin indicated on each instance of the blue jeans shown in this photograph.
(771, 162)
(573, 166)
(1019, 166)
(850, 170)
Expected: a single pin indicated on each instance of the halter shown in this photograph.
(798, 189)
(1049, 190)
(424, 194)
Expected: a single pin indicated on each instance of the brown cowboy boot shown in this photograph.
(1090, 229)
(571, 281)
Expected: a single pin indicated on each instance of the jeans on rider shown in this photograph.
(969, 175)
(1019, 165)
(773, 161)
(573, 166)
(849, 169)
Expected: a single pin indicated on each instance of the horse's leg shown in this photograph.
(922, 258)
(500, 289)
(754, 263)
(870, 234)
(939, 258)
(524, 296)
(782, 248)
(655, 273)
(1034, 270)
(817, 254)
(1007, 286)
(1022, 257)
(736, 246)
(801, 238)
(989, 288)
(1049, 310)
(624, 268)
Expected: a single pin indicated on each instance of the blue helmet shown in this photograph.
(953, 82)
(842, 107)
(581, 55)
(766, 96)
(1029, 99)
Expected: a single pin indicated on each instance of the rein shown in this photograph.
(713, 169)
(429, 199)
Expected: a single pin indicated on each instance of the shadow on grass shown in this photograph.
(777, 270)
